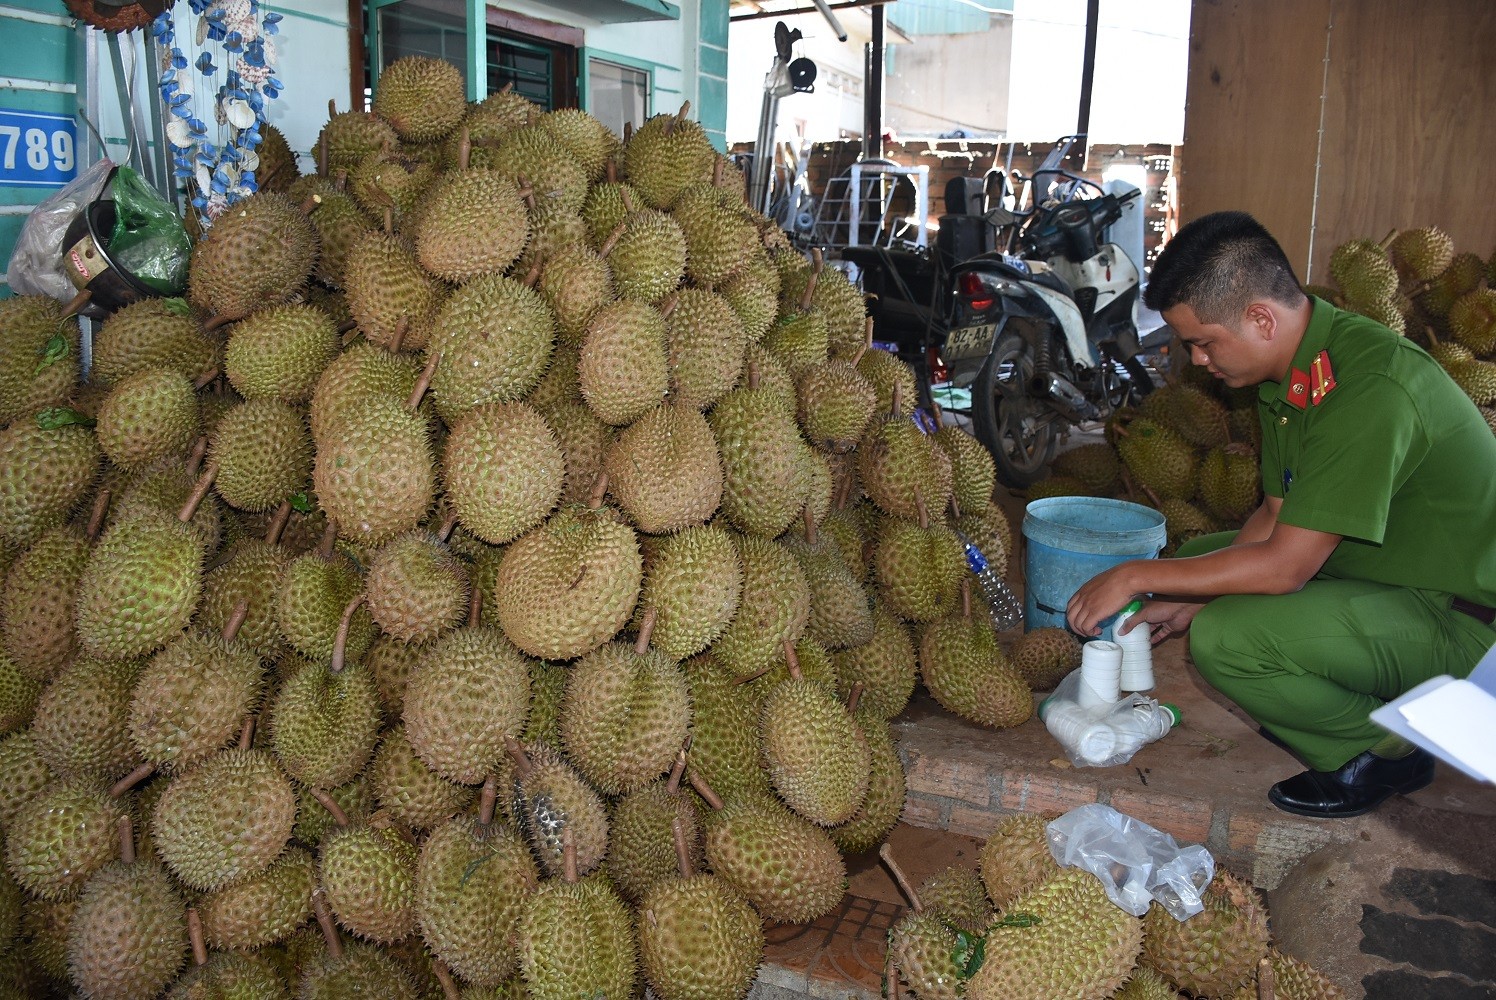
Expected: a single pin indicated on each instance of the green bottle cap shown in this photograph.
(1133, 608)
(1174, 711)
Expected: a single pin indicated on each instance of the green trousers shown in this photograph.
(1310, 667)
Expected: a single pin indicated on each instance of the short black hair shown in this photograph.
(1217, 265)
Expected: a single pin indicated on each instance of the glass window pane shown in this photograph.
(530, 68)
(617, 94)
(435, 28)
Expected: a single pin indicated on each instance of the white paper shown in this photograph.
(1460, 717)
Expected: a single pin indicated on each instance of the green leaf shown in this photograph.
(474, 865)
(54, 350)
(61, 416)
(1018, 920)
(177, 306)
(302, 502)
(978, 956)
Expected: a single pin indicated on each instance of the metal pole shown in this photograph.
(872, 106)
(760, 191)
(1088, 68)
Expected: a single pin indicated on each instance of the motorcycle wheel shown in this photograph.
(1016, 428)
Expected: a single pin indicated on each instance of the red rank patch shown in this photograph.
(1324, 378)
(1298, 389)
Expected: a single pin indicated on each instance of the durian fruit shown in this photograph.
(1230, 482)
(817, 757)
(884, 804)
(885, 666)
(422, 98)
(885, 371)
(568, 586)
(1044, 656)
(340, 225)
(473, 222)
(1056, 486)
(647, 252)
(1363, 271)
(786, 866)
(724, 730)
(839, 612)
(965, 669)
(1421, 254)
(666, 154)
(774, 609)
(957, 896)
(1094, 465)
(664, 470)
(81, 719)
(141, 585)
(693, 580)
(280, 352)
(639, 857)
(311, 597)
(393, 181)
(1069, 915)
(561, 815)
(1476, 379)
(47, 464)
(259, 252)
(719, 237)
(576, 283)
(416, 587)
(840, 302)
(800, 337)
(493, 340)
(1216, 951)
(1464, 274)
(44, 936)
(413, 795)
(126, 939)
(1016, 859)
(340, 971)
(150, 333)
(149, 415)
(261, 909)
(706, 343)
(623, 371)
(922, 946)
(38, 355)
(605, 206)
(55, 840)
(835, 403)
(1292, 980)
(226, 819)
(1472, 320)
(18, 696)
(698, 939)
(625, 714)
(557, 181)
(26, 776)
(394, 302)
(249, 572)
(368, 872)
(348, 137)
(261, 454)
(1183, 521)
(1159, 459)
(324, 722)
(248, 976)
(360, 372)
(1147, 984)
(474, 880)
(36, 605)
(896, 462)
(1189, 412)
(556, 961)
(753, 294)
(919, 567)
(759, 444)
(588, 140)
(314, 819)
(1384, 311)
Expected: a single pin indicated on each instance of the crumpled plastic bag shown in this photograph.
(1137, 864)
(149, 241)
(37, 265)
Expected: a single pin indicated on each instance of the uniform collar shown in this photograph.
(1316, 339)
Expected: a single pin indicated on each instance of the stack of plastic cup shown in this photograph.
(1137, 651)
(1078, 729)
(1100, 674)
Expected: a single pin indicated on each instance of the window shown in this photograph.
(436, 28)
(617, 95)
(538, 58)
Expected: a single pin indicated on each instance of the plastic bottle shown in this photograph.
(1143, 722)
(1137, 651)
(1002, 604)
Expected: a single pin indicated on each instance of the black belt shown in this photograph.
(1479, 612)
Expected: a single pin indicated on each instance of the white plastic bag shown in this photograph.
(1103, 735)
(36, 265)
(1137, 864)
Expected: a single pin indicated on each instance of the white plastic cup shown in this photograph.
(1137, 655)
(1100, 674)
(1079, 732)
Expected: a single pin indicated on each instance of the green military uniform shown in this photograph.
(1369, 439)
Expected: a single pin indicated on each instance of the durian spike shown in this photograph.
(278, 523)
(206, 377)
(815, 277)
(96, 517)
(919, 505)
(464, 149)
(517, 752)
(853, 697)
(401, 329)
(448, 525)
(682, 849)
(247, 733)
(199, 493)
(340, 641)
(236, 620)
(329, 543)
(568, 856)
(612, 240)
(627, 199)
(599, 490)
(753, 374)
(704, 790)
(76, 304)
(199, 452)
(195, 935)
(673, 784)
(129, 781)
(1266, 980)
(475, 608)
(668, 306)
(867, 342)
(444, 976)
(126, 830)
(792, 660)
(886, 853)
(646, 629)
(331, 805)
(325, 921)
(424, 382)
(897, 402)
(488, 800)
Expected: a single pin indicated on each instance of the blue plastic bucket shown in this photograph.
(1070, 540)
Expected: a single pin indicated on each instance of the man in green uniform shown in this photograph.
(1370, 565)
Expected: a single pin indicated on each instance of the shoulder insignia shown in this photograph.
(1324, 378)
(1298, 389)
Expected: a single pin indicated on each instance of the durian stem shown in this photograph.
(350, 335)
(815, 277)
(76, 304)
(673, 785)
(599, 490)
(867, 343)
(810, 525)
(332, 107)
(717, 166)
(329, 543)
(224, 319)
(517, 752)
(308, 206)
(854, 697)
(126, 831)
(533, 275)
(401, 329)
(704, 790)
(464, 149)
(844, 490)
(129, 781)
(424, 382)
(612, 240)
(96, 518)
(331, 805)
(247, 733)
(340, 641)
(668, 306)
(199, 452)
(919, 506)
(682, 849)
(449, 525)
(1152, 495)
(754, 676)
(444, 976)
(753, 375)
(341, 180)
(935, 409)
(526, 191)
(199, 493)
(325, 921)
(1387, 240)
(488, 800)
(792, 660)
(475, 608)
(278, 523)
(1433, 338)
(236, 621)
(891, 974)
(612, 168)
(646, 629)
(568, 856)
(1128, 484)
(955, 507)
(195, 935)
(506, 88)
(206, 377)
(886, 853)
(1266, 980)
(322, 154)
(389, 220)
(628, 133)
(627, 199)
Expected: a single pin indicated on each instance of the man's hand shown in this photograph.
(1101, 597)
(1171, 617)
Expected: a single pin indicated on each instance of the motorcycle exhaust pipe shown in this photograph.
(1062, 394)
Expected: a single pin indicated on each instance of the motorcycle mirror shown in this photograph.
(803, 75)
(785, 39)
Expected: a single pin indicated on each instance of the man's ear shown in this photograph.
(1261, 320)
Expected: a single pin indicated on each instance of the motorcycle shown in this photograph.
(1041, 333)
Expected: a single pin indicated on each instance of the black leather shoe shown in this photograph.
(1365, 782)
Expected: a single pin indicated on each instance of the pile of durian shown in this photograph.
(1022, 928)
(495, 577)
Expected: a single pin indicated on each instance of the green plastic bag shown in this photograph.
(149, 242)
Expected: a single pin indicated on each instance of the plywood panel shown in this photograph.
(1409, 111)
(1252, 114)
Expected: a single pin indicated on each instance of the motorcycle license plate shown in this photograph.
(969, 341)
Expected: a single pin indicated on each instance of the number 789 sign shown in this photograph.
(37, 150)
